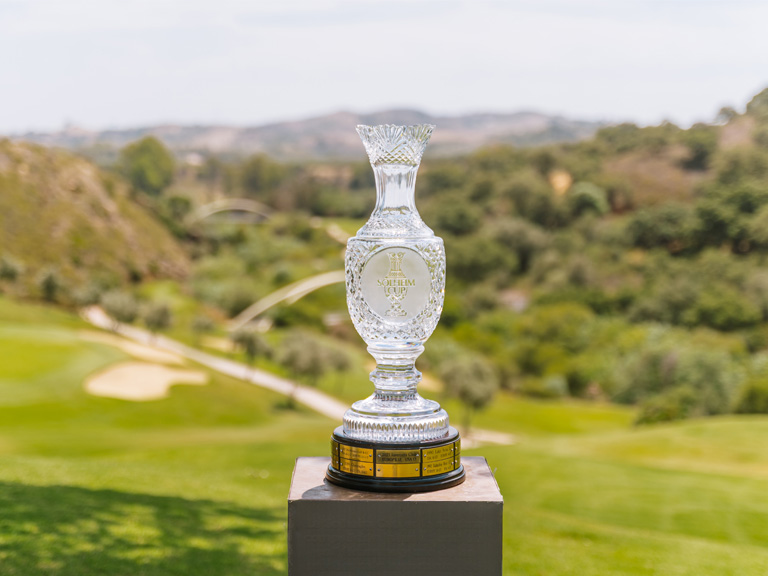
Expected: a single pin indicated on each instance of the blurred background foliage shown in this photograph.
(630, 267)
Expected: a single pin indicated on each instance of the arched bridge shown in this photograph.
(230, 205)
(289, 294)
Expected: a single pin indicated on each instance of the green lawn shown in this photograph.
(197, 483)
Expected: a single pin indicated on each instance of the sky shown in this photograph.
(105, 64)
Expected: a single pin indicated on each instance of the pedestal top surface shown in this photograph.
(309, 483)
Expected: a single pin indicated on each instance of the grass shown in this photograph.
(197, 483)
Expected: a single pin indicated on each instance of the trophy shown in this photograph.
(395, 440)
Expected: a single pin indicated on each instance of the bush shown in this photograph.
(723, 308)
(477, 257)
(10, 269)
(524, 238)
(88, 295)
(472, 380)
(533, 199)
(260, 174)
(754, 398)
(554, 386)
(121, 306)
(202, 325)
(456, 216)
(49, 284)
(585, 197)
(157, 317)
(671, 226)
(676, 404)
(307, 357)
(701, 141)
(251, 343)
(661, 368)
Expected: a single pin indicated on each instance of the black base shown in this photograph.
(372, 478)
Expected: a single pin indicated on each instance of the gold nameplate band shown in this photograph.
(389, 463)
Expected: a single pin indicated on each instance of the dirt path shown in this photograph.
(310, 397)
(314, 399)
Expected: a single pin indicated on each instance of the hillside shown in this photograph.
(333, 136)
(60, 212)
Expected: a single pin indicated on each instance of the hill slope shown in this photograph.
(60, 211)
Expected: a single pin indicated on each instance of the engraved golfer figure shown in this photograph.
(396, 285)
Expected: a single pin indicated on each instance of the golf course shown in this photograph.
(195, 482)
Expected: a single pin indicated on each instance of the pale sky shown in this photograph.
(105, 63)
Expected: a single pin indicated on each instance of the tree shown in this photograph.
(50, 285)
(758, 106)
(533, 199)
(202, 325)
(725, 115)
(88, 295)
(456, 215)
(121, 306)
(251, 343)
(148, 165)
(260, 175)
(701, 141)
(304, 356)
(754, 398)
(675, 404)
(524, 238)
(157, 317)
(671, 226)
(586, 197)
(472, 380)
(9, 269)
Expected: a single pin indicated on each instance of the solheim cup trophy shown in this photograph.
(395, 440)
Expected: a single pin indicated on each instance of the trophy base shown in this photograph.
(395, 467)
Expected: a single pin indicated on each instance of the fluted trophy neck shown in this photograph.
(395, 153)
(397, 145)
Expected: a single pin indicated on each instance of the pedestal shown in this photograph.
(341, 532)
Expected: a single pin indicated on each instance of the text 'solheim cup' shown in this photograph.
(395, 440)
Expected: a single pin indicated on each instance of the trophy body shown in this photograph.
(395, 440)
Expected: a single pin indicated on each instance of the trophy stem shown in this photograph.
(395, 375)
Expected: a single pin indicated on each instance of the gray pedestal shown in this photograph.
(341, 532)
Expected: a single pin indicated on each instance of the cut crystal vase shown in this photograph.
(395, 440)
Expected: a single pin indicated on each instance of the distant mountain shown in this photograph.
(333, 136)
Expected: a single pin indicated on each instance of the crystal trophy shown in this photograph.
(395, 440)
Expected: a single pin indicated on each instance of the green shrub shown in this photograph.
(251, 343)
(157, 316)
(121, 306)
(723, 308)
(471, 379)
(675, 404)
(10, 269)
(753, 398)
(49, 283)
(585, 197)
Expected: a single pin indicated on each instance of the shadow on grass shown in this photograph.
(72, 531)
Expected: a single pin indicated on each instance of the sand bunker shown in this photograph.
(136, 350)
(140, 382)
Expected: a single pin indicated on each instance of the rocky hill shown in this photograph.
(60, 212)
(333, 136)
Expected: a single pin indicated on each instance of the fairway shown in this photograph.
(196, 483)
